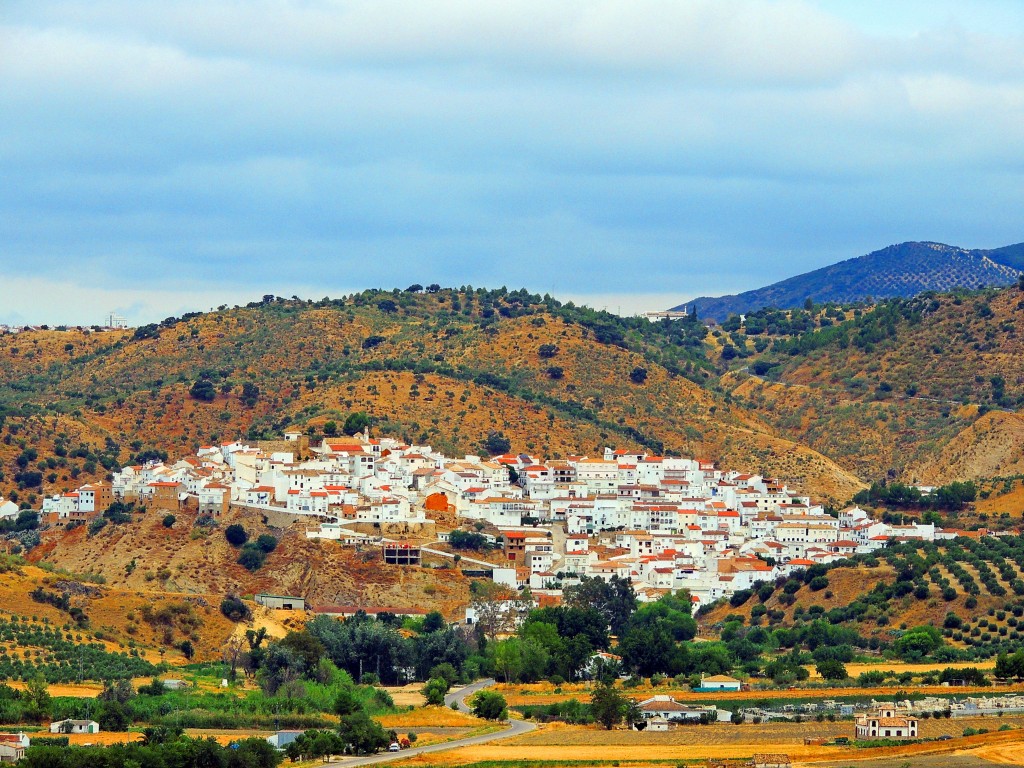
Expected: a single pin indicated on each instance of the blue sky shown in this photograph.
(159, 157)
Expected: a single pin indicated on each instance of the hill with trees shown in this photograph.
(827, 398)
(902, 270)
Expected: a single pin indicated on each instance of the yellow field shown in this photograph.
(407, 695)
(1002, 754)
(724, 741)
(430, 717)
(103, 737)
(78, 691)
(519, 695)
(855, 668)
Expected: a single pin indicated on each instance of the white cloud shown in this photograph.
(651, 145)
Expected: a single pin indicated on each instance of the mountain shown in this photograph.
(903, 270)
(925, 389)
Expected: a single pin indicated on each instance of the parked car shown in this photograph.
(395, 747)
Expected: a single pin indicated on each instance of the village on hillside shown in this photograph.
(662, 523)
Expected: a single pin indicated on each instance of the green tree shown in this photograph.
(356, 422)
(114, 716)
(345, 703)
(204, 390)
(608, 705)
(614, 599)
(489, 705)
(917, 642)
(251, 557)
(250, 394)
(435, 690)
(234, 608)
(496, 443)
(362, 734)
(832, 670)
(37, 694)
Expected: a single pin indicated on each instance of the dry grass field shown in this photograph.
(431, 717)
(519, 695)
(899, 667)
(407, 695)
(571, 745)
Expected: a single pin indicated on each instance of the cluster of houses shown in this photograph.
(663, 523)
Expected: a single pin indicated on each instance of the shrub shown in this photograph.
(235, 609)
(169, 521)
(251, 557)
(638, 375)
(236, 535)
(818, 583)
(739, 597)
(204, 390)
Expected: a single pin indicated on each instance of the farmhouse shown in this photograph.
(666, 708)
(718, 683)
(886, 724)
(12, 747)
(75, 726)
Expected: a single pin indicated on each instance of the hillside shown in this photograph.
(446, 367)
(921, 389)
(970, 589)
(144, 555)
(905, 270)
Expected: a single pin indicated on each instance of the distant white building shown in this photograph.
(75, 726)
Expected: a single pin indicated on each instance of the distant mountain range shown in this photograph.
(906, 269)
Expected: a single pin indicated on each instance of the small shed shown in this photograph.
(281, 602)
(657, 724)
(282, 739)
(772, 761)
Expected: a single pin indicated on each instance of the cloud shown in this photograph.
(577, 148)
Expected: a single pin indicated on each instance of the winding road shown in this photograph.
(516, 727)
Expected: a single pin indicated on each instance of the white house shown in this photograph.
(718, 683)
(886, 724)
(75, 726)
(12, 747)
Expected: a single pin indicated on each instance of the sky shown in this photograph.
(171, 156)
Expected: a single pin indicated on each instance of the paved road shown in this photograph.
(516, 727)
(459, 696)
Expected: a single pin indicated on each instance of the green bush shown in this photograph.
(236, 535)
